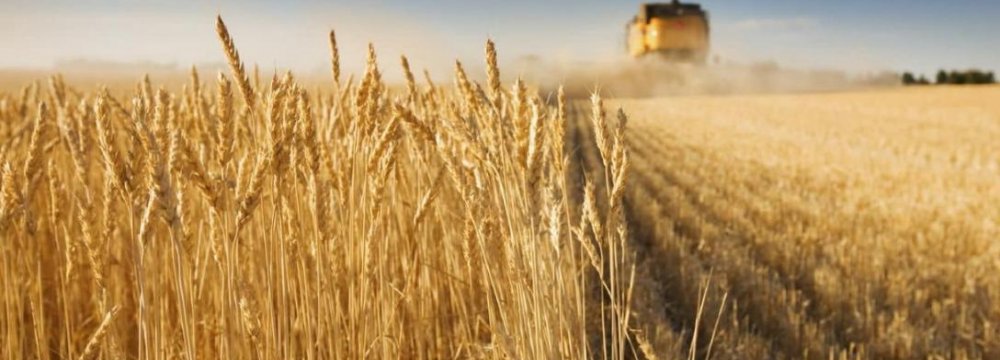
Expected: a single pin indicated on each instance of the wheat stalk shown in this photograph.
(91, 349)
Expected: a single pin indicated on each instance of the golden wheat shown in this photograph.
(343, 223)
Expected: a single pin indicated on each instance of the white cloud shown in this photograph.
(797, 23)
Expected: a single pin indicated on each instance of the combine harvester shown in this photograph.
(669, 43)
(675, 31)
(668, 47)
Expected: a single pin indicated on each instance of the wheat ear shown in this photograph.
(235, 65)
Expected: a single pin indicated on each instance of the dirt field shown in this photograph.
(854, 225)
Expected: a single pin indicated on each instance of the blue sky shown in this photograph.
(851, 35)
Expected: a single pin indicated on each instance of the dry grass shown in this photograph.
(252, 220)
(857, 225)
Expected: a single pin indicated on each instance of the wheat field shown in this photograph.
(850, 225)
(249, 219)
(253, 216)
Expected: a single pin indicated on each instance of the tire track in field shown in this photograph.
(665, 333)
(735, 208)
(778, 300)
(774, 308)
(753, 228)
(670, 224)
(670, 277)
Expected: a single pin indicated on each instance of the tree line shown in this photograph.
(953, 77)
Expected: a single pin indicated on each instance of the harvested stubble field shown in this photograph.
(851, 225)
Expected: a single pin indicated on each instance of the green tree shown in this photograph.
(942, 77)
(975, 77)
(956, 77)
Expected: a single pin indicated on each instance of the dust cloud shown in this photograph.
(650, 77)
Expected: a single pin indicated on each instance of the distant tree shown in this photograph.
(908, 78)
(957, 78)
(922, 80)
(942, 77)
(974, 77)
(965, 77)
(980, 77)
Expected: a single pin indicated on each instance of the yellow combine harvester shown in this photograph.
(675, 31)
